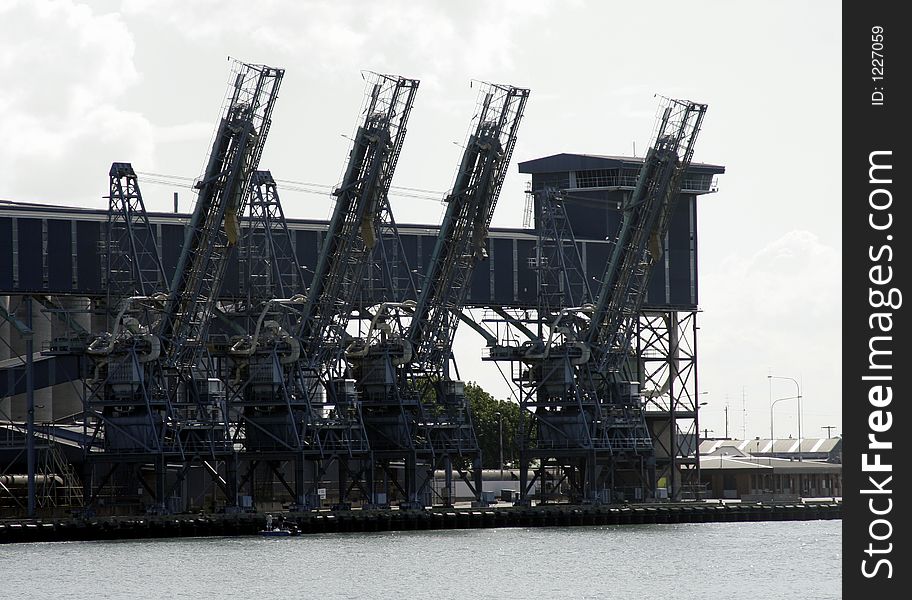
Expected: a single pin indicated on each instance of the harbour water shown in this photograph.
(719, 561)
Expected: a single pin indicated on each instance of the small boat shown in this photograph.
(276, 532)
(282, 530)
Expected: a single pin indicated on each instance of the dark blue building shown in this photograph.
(594, 187)
(55, 250)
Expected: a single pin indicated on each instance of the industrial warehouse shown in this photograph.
(232, 360)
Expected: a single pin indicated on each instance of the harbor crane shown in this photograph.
(580, 395)
(152, 388)
(289, 377)
(414, 409)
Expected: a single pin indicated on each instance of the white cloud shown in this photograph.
(64, 69)
(790, 284)
(779, 310)
(335, 36)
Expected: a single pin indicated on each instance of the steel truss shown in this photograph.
(557, 260)
(282, 390)
(414, 409)
(579, 379)
(269, 266)
(153, 402)
(666, 343)
(299, 415)
(132, 264)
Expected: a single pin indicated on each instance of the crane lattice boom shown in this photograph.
(361, 200)
(463, 233)
(214, 224)
(646, 216)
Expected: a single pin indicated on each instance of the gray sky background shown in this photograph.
(142, 81)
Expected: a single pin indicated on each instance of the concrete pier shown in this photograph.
(560, 515)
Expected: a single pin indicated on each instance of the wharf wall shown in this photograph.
(557, 515)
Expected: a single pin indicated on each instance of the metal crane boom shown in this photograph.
(463, 233)
(576, 387)
(646, 216)
(361, 199)
(213, 229)
(412, 410)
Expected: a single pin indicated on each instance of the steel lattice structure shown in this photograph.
(266, 382)
(414, 410)
(297, 405)
(268, 263)
(124, 391)
(580, 385)
(361, 199)
(666, 344)
(153, 391)
(557, 258)
(132, 264)
(214, 226)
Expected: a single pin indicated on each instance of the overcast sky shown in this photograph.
(86, 84)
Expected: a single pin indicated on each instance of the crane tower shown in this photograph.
(151, 386)
(414, 409)
(585, 413)
(298, 406)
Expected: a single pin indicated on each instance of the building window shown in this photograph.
(597, 178)
(697, 181)
(559, 181)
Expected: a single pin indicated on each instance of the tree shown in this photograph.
(487, 426)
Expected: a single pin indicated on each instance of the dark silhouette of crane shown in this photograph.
(414, 409)
(151, 387)
(288, 372)
(581, 397)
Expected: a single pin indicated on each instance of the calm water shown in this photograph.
(718, 561)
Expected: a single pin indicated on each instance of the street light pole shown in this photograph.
(798, 385)
(697, 424)
(697, 418)
(774, 403)
(698, 492)
(500, 443)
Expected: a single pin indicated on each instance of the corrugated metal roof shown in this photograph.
(728, 462)
(724, 450)
(711, 463)
(765, 446)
